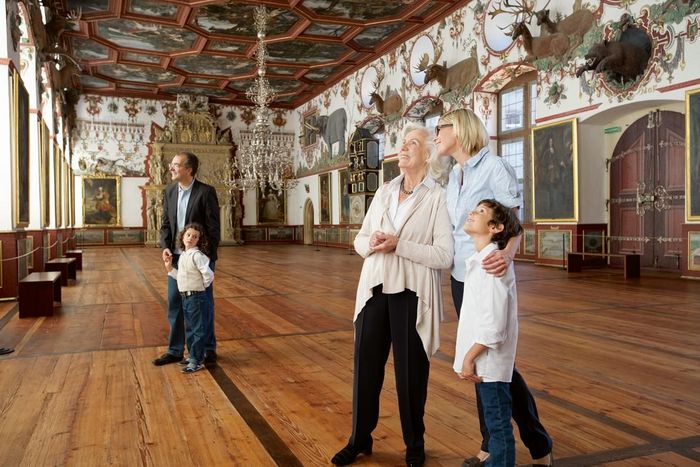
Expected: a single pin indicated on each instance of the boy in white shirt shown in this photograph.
(487, 335)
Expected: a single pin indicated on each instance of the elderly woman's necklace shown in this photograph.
(404, 191)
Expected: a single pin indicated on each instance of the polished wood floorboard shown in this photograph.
(614, 366)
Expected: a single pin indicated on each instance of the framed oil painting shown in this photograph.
(555, 172)
(694, 251)
(44, 176)
(324, 198)
(101, 201)
(390, 169)
(530, 247)
(272, 206)
(125, 237)
(692, 154)
(20, 149)
(57, 157)
(90, 237)
(553, 244)
(593, 241)
(344, 195)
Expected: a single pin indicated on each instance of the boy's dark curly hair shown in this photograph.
(203, 242)
(502, 216)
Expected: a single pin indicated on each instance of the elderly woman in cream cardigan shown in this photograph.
(406, 239)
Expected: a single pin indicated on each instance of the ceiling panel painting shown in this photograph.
(278, 70)
(135, 87)
(194, 90)
(357, 9)
(146, 36)
(93, 82)
(88, 6)
(427, 10)
(305, 52)
(136, 73)
(227, 46)
(135, 57)
(153, 8)
(205, 81)
(214, 65)
(324, 29)
(87, 49)
(236, 19)
(320, 74)
(373, 36)
(285, 85)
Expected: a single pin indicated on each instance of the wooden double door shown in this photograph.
(647, 190)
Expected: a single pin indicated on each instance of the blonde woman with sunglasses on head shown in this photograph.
(479, 174)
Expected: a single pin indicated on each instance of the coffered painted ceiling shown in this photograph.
(158, 48)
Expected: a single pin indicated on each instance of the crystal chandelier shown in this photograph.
(261, 161)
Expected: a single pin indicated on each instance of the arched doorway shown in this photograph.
(647, 190)
(308, 222)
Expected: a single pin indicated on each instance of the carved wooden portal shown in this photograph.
(194, 132)
(647, 190)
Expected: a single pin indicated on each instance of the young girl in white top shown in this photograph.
(487, 335)
(193, 277)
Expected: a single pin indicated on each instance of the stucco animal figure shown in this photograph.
(332, 129)
(625, 60)
(455, 78)
(577, 23)
(392, 105)
(556, 44)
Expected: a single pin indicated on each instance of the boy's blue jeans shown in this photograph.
(497, 405)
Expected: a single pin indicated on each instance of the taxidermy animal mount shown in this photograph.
(390, 106)
(577, 24)
(556, 44)
(58, 23)
(455, 78)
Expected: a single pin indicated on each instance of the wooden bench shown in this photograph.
(66, 266)
(37, 292)
(632, 262)
(78, 255)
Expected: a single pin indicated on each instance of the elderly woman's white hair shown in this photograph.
(438, 166)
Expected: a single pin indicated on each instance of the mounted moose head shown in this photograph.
(455, 78)
(392, 105)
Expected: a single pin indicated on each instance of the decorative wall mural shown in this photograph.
(145, 36)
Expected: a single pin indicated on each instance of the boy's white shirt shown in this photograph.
(201, 261)
(489, 316)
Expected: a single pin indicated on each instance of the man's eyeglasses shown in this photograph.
(440, 127)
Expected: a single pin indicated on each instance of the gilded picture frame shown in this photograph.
(20, 149)
(101, 201)
(555, 172)
(529, 244)
(694, 251)
(324, 199)
(390, 169)
(553, 244)
(272, 206)
(692, 155)
(344, 195)
(57, 157)
(45, 175)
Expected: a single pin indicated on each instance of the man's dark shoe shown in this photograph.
(473, 462)
(165, 359)
(415, 457)
(209, 357)
(349, 453)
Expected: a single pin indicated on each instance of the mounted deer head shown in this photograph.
(58, 23)
(519, 7)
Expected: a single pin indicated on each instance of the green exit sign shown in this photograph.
(613, 129)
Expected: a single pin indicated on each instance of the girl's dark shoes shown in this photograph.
(349, 453)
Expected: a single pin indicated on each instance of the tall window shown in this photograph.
(516, 116)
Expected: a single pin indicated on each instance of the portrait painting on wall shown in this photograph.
(553, 244)
(20, 150)
(692, 150)
(101, 201)
(344, 195)
(45, 178)
(555, 172)
(390, 169)
(324, 195)
(272, 206)
(694, 251)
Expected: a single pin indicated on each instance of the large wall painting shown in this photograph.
(272, 206)
(324, 195)
(20, 150)
(343, 195)
(555, 172)
(390, 169)
(692, 148)
(694, 251)
(101, 201)
(553, 244)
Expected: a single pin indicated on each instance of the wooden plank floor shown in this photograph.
(614, 365)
